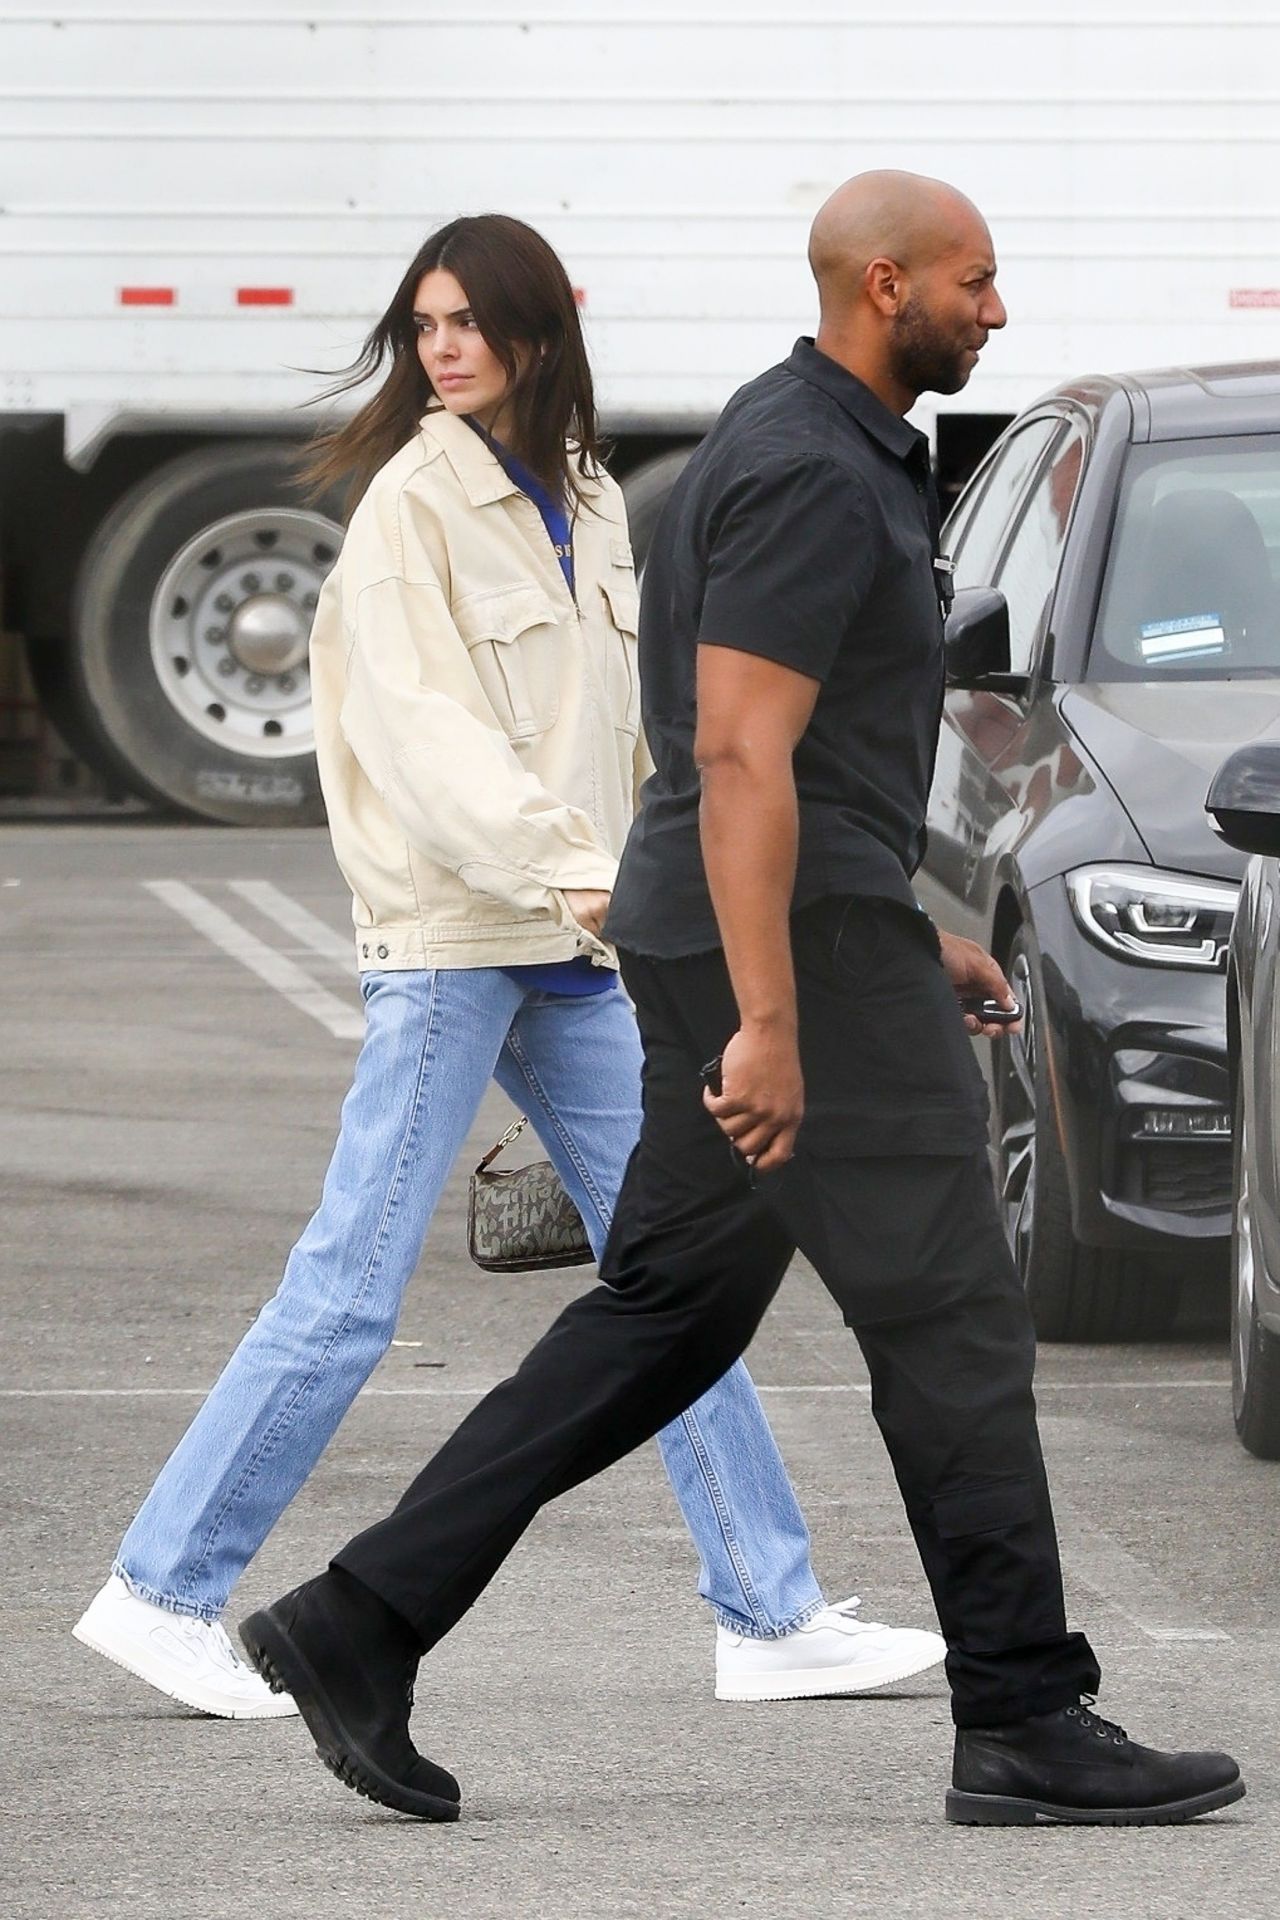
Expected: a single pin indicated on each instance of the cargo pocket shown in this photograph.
(622, 666)
(513, 638)
(996, 1541)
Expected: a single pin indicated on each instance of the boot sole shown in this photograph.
(998, 1810)
(287, 1670)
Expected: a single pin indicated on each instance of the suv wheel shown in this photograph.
(1075, 1292)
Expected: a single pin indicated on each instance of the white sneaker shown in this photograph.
(188, 1659)
(835, 1652)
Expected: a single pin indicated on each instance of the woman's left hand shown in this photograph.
(588, 905)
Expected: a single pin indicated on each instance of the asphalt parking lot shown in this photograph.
(179, 1019)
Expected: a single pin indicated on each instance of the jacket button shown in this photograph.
(382, 953)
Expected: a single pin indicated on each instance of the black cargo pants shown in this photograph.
(890, 1196)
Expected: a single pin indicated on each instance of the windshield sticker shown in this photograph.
(1196, 636)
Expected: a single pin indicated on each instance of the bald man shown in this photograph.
(809, 1080)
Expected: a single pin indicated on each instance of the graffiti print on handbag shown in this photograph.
(523, 1220)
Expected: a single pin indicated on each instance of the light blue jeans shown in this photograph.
(433, 1041)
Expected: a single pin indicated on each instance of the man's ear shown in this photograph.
(883, 280)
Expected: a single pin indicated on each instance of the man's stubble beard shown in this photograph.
(924, 359)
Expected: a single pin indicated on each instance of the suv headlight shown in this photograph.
(1164, 919)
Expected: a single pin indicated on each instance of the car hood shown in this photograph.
(1159, 747)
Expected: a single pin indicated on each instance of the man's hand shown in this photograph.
(761, 1102)
(588, 907)
(975, 975)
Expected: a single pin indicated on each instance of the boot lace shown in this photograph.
(1095, 1724)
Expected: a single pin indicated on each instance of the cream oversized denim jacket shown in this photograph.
(477, 731)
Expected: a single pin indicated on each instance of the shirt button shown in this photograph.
(382, 953)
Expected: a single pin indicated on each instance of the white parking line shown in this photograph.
(1178, 1381)
(1217, 1382)
(297, 921)
(202, 1393)
(1043, 1386)
(285, 975)
(852, 1386)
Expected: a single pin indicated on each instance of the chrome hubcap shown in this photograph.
(268, 634)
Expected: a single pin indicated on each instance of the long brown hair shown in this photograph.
(524, 307)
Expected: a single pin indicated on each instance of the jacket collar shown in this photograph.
(483, 478)
(857, 400)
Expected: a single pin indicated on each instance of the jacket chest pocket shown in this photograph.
(513, 639)
(622, 666)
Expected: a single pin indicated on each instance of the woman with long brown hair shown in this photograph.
(477, 726)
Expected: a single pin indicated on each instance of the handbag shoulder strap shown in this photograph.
(512, 1133)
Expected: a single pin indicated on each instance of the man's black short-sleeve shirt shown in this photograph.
(804, 530)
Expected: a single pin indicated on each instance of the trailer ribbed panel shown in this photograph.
(273, 169)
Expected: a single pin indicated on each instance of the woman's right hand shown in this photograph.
(588, 907)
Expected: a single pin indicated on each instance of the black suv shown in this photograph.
(1129, 529)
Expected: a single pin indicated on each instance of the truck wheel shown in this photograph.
(190, 624)
(1255, 1351)
(1074, 1292)
(645, 491)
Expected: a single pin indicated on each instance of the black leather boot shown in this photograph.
(1074, 1766)
(349, 1661)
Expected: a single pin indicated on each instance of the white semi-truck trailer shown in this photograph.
(201, 215)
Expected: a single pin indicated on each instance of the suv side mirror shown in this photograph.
(1244, 798)
(976, 641)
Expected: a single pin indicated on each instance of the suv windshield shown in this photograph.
(1193, 581)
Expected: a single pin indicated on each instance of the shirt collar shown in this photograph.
(889, 428)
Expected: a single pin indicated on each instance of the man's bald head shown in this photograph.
(906, 279)
(903, 217)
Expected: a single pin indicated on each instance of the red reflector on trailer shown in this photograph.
(147, 297)
(264, 296)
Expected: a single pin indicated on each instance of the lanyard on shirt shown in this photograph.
(554, 515)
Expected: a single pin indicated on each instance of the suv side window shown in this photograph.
(983, 531)
(1028, 572)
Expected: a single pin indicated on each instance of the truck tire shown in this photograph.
(1075, 1292)
(645, 491)
(190, 622)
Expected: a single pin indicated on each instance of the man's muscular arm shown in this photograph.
(751, 716)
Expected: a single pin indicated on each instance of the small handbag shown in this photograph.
(523, 1220)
